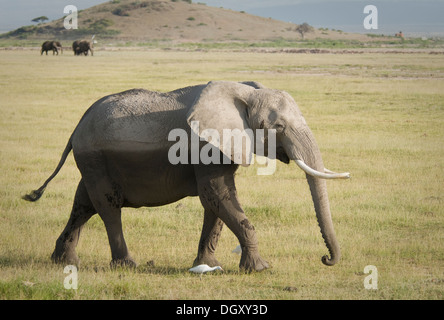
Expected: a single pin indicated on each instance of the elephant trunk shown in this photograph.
(305, 149)
(318, 189)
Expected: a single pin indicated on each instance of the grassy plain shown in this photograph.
(379, 116)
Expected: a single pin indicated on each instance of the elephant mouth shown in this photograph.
(281, 155)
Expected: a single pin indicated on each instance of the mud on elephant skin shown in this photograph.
(121, 148)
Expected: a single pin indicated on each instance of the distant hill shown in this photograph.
(173, 20)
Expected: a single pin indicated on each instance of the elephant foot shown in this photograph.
(210, 260)
(251, 261)
(65, 258)
(125, 263)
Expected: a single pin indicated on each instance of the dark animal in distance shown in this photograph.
(82, 46)
(51, 45)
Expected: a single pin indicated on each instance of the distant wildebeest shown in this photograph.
(51, 45)
(82, 46)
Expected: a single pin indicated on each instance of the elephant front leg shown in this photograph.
(218, 194)
(211, 230)
(250, 259)
(231, 213)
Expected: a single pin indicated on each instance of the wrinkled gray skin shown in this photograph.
(82, 46)
(121, 149)
(51, 45)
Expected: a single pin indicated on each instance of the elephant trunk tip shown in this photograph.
(330, 261)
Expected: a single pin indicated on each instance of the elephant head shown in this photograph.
(58, 45)
(230, 105)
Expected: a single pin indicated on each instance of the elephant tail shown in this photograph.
(36, 194)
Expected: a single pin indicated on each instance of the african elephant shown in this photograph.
(122, 148)
(75, 45)
(51, 45)
(82, 46)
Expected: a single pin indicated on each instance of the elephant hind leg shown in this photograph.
(107, 198)
(82, 211)
(113, 224)
(211, 230)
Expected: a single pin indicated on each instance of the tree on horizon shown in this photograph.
(40, 19)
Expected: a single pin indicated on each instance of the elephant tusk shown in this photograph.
(323, 175)
(332, 172)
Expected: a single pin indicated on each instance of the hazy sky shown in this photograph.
(410, 16)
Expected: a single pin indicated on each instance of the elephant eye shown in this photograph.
(279, 127)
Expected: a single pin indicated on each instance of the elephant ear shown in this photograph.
(219, 115)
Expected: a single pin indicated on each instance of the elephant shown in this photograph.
(75, 46)
(51, 45)
(82, 46)
(122, 149)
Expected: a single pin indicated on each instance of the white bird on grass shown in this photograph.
(204, 268)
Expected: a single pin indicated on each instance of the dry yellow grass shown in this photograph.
(377, 116)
